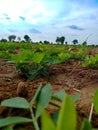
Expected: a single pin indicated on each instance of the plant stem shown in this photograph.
(91, 112)
(34, 120)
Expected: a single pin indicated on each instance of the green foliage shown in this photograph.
(65, 119)
(65, 56)
(7, 128)
(75, 97)
(17, 102)
(67, 109)
(5, 55)
(81, 53)
(60, 40)
(86, 125)
(59, 95)
(27, 38)
(30, 64)
(36, 95)
(67, 112)
(47, 122)
(75, 41)
(11, 38)
(84, 43)
(91, 61)
(34, 59)
(13, 120)
(95, 100)
(3, 40)
(43, 99)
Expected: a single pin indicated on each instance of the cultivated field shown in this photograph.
(72, 68)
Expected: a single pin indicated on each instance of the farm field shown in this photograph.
(74, 69)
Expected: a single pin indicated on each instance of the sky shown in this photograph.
(47, 19)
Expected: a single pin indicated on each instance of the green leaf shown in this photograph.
(75, 97)
(38, 57)
(17, 102)
(95, 100)
(36, 95)
(67, 117)
(86, 125)
(55, 116)
(59, 95)
(43, 99)
(47, 122)
(13, 120)
(7, 128)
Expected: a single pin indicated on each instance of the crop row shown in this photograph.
(32, 61)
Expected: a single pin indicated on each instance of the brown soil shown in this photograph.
(71, 77)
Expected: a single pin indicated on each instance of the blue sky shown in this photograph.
(47, 19)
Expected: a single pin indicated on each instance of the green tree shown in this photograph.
(12, 38)
(27, 38)
(57, 40)
(75, 41)
(60, 40)
(3, 40)
(66, 43)
(46, 42)
(84, 43)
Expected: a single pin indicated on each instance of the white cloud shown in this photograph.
(29, 9)
(51, 17)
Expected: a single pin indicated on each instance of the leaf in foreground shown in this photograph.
(86, 125)
(17, 102)
(43, 99)
(95, 100)
(36, 95)
(47, 122)
(13, 120)
(7, 128)
(67, 117)
(55, 116)
(75, 97)
(59, 95)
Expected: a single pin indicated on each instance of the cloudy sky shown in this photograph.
(47, 19)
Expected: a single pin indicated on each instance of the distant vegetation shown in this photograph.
(59, 40)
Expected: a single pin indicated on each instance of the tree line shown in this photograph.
(12, 38)
(59, 40)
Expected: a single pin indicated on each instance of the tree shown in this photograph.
(66, 43)
(84, 43)
(60, 40)
(46, 42)
(75, 41)
(22, 41)
(19, 39)
(3, 40)
(12, 38)
(27, 38)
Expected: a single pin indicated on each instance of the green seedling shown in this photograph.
(19, 102)
(42, 98)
